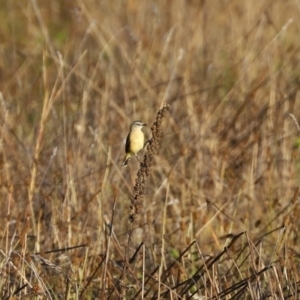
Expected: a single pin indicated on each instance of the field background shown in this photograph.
(220, 215)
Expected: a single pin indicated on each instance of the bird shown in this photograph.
(134, 142)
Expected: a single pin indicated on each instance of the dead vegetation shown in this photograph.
(213, 210)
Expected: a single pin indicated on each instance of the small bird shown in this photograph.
(135, 141)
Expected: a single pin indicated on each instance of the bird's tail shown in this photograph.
(126, 160)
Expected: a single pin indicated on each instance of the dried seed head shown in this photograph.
(139, 189)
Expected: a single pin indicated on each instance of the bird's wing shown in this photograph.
(127, 145)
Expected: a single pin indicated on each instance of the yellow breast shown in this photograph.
(136, 141)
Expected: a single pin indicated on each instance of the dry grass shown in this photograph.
(219, 213)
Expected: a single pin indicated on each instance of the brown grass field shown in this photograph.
(212, 211)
